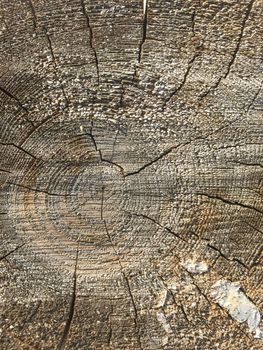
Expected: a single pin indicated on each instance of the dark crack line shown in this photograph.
(233, 59)
(258, 255)
(55, 64)
(13, 97)
(156, 223)
(38, 126)
(91, 39)
(12, 251)
(163, 154)
(144, 29)
(254, 98)
(20, 148)
(114, 144)
(28, 120)
(103, 160)
(137, 327)
(172, 148)
(50, 46)
(190, 64)
(40, 191)
(235, 203)
(144, 36)
(226, 257)
(243, 25)
(33, 314)
(110, 334)
(6, 171)
(196, 285)
(249, 164)
(32, 8)
(173, 297)
(72, 306)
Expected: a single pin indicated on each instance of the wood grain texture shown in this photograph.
(129, 143)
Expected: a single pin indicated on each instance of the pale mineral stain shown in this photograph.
(195, 266)
(229, 296)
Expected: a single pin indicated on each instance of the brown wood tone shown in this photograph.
(131, 146)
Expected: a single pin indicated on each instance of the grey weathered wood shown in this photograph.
(130, 143)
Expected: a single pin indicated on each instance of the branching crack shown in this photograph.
(196, 286)
(20, 148)
(90, 134)
(227, 201)
(225, 257)
(11, 252)
(91, 39)
(190, 64)
(173, 297)
(40, 191)
(72, 306)
(13, 97)
(156, 223)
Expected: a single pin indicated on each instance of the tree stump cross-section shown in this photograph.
(131, 156)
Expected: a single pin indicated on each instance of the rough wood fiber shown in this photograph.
(130, 143)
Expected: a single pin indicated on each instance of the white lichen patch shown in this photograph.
(172, 284)
(229, 296)
(195, 266)
(161, 299)
(163, 320)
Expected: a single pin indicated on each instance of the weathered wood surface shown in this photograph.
(130, 143)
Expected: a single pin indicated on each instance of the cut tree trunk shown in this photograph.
(131, 158)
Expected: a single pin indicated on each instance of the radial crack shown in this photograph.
(163, 154)
(91, 39)
(249, 164)
(40, 191)
(225, 257)
(55, 64)
(72, 306)
(5, 171)
(12, 251)
(20, 148)
(32, 8)
(227, 201)
(50, 46)
(144, 28)
(233, 59)
(169, 150)
(190, 64)
(122, 270)
(254, 98)
(13, 97)
(243, 24)
(156, 223)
